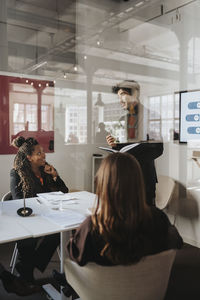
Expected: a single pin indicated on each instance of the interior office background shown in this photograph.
(83, 48)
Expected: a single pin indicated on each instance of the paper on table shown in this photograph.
(54, 196)
(65, 218)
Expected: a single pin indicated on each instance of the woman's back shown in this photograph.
(123, 228)
(86, 245)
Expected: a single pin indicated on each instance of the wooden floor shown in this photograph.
(184, 281)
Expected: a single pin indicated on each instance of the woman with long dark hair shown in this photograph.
(32, 175)
(123, 227)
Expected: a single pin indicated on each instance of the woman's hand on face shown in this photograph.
(110, 140)
(49, 169)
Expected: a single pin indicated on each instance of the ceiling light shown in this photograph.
(65, 75)
(139, 3)
(26, 80)
(105, 23)
(39, 84)
(98, 43)
(37, 66)
(99, 101)
(129, 9)
(85, 57)
(31, 83)
(120, 15)
(75, 68)
(47, 84)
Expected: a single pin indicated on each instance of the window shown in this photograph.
(24, 117)
(76, 124)
(163, 117)
(25, 111)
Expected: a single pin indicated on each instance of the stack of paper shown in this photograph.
(55, 199)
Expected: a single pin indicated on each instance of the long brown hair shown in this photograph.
(121, 207)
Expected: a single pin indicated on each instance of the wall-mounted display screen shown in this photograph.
(189, 116)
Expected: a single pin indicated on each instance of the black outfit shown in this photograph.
(36, 252)
(159, 235)
(49, 185)
(146, 153)
(13, 284)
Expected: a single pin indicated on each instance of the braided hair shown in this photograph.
(22, 164)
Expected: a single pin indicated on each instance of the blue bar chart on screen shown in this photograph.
(194, 105)
(194, 117)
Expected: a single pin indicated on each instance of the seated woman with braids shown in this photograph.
(32, 175)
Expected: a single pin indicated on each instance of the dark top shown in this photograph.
(49, 185)
(146, 153)
(85, 246)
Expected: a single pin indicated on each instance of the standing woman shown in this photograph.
(123, 228)
(32, 175)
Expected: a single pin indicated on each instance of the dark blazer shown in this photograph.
(146, 153)
(159, 235)
(49, 185)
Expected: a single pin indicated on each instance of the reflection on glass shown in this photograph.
(166, 124)
(76, 124)
(27, 110)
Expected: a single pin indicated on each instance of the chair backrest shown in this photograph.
(145, 280)
(7, 196)
(164, 191)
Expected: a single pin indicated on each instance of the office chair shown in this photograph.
(7, 196)
(164, 191)
(145, 280)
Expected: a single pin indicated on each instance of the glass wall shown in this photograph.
(84, 48)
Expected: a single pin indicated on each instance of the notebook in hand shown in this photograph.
(124, 149)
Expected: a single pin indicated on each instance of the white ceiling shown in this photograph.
(137, 38)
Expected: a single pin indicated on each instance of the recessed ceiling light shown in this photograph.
(75, 68)
(85, 57)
